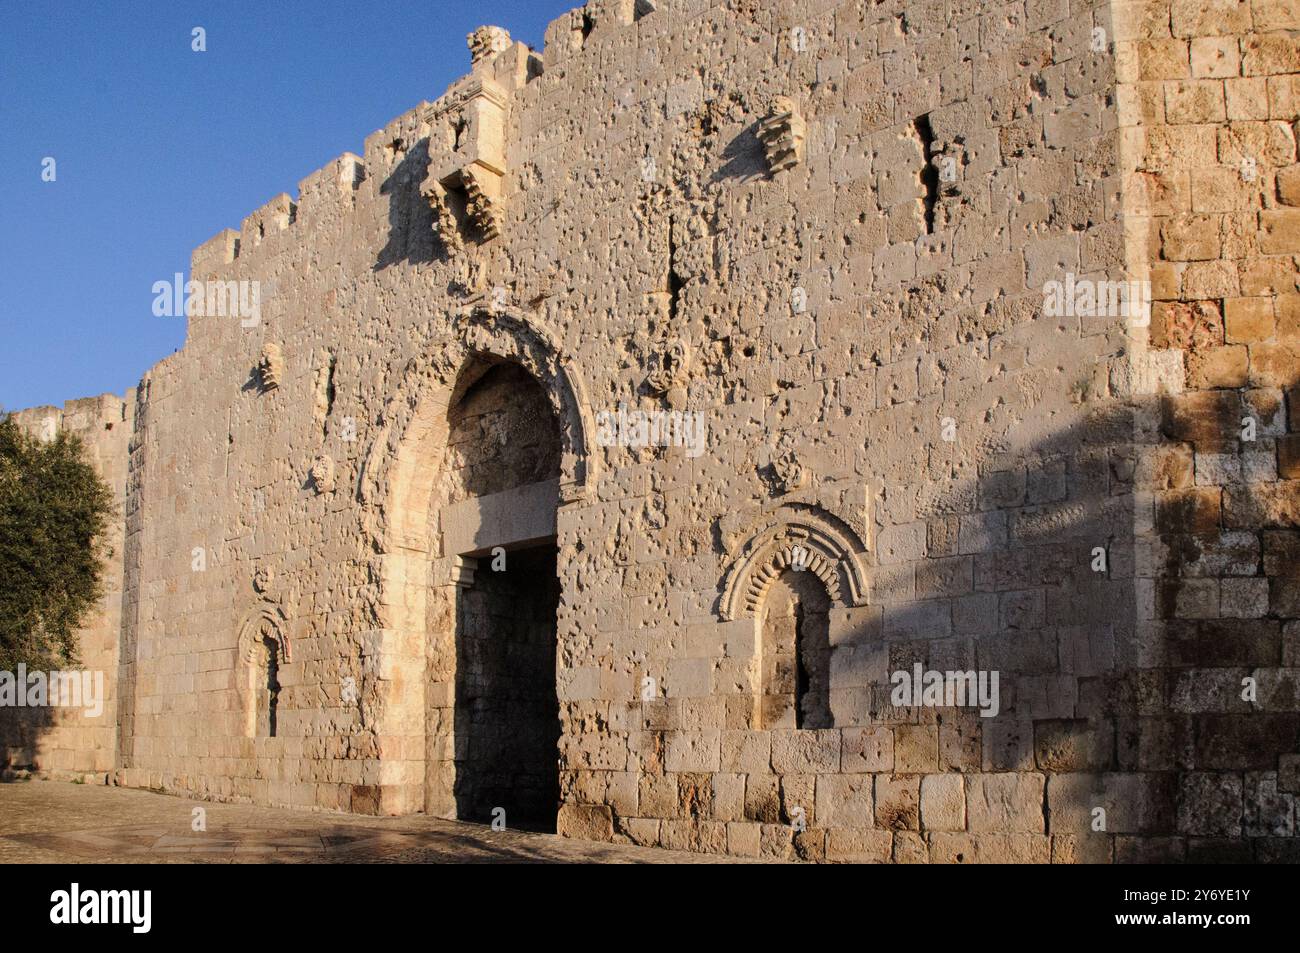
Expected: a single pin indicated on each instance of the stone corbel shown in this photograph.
(270, 366)
(483, 199)
(462, 571)
(782, 133)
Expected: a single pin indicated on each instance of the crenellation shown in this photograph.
(386, 148)
(219, 250)
(261, 224)
(331, 186)
(563, 38)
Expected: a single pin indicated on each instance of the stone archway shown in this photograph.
(799, 536)
(435, 545)
(263, 651)
(795, 566)
(495, 508)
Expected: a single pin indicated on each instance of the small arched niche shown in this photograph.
(798, 564)
(794, 653)
(263, 653)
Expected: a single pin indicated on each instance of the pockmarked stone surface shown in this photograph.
(834, 430)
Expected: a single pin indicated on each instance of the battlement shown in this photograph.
(498, 64)
(83, 415)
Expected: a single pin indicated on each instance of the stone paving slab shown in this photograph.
(59, 822)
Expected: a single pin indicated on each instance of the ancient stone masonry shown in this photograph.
(1207, 116)
(987, 549)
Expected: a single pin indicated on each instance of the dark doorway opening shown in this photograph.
(507, 715)
(795, 654)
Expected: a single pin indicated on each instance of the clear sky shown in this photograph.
(158, 147)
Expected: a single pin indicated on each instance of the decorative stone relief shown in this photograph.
(322, 474)
(486, 42)
(669, 370)
(506, 333)
(782, 133)
(802, 537)
(464, 184)
(263, 579)
(264, 622)
(789, 470)
(271, 366)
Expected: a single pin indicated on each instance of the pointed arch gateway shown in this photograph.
(479, 451)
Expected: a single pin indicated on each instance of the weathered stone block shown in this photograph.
(943, 803)
(805, 752)
(1005, 802)
(897, 802)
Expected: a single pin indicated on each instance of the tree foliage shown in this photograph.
(54, 510)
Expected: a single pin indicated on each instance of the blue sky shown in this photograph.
(157, 148)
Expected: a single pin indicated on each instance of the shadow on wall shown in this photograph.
(410, 220)
(21, 730)
(743, 158)
(1121, 648)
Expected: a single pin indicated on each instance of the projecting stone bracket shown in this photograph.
(270, 366)
(462, 571)
(782, 133)
(465, 181)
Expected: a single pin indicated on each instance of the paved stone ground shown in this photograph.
(60, 822)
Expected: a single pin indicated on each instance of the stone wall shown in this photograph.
(1208, 106)
(828, 230)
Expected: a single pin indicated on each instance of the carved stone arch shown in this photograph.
(825, 546)
(415, 578)
(263, 623)
(396, 474)
(253, 630)
(509, 334)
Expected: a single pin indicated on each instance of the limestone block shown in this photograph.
(943, 803)
(844, 801)
(897, 802)
(693, 751)
(1005, 802)
(585, 821)
(805, 752)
